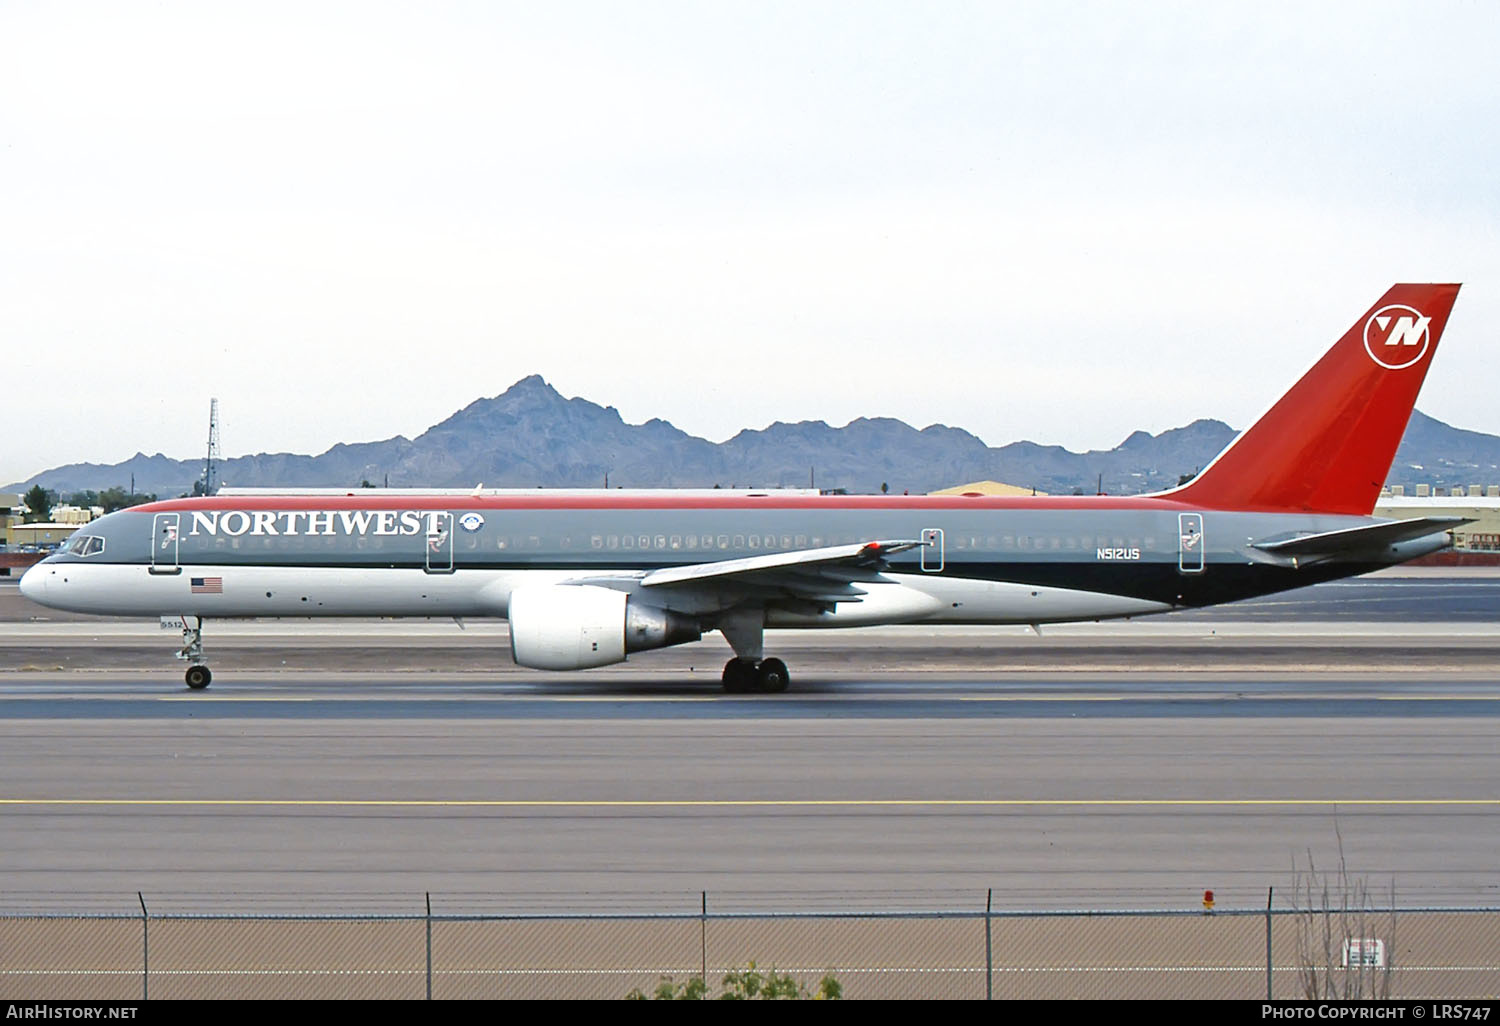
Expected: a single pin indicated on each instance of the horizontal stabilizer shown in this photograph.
(1361, 539)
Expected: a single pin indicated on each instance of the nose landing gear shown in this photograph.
(198, 675)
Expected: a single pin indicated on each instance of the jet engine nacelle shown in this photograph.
(574, 627)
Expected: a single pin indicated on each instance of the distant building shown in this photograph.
(10, 513)
(76, 514)
(47, 535)
(988, 488)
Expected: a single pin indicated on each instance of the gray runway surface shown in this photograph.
(1060, 785)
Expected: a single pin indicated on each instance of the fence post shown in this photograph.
(703, 941)
(1269, 892)
(429, 945)
(989, 950)
(145, 948)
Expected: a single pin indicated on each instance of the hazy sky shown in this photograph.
(1051, 221)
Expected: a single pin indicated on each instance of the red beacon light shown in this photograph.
(1208, 902)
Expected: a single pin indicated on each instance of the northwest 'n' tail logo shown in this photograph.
(1397, 337)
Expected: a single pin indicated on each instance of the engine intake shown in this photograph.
(574, 627)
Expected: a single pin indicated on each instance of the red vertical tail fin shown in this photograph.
(1327, 445)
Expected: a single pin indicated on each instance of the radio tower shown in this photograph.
(211, 464)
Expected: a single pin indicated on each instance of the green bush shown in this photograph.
(747, 985)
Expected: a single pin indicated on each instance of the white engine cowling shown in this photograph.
(574, 627)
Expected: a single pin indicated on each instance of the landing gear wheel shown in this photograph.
(198, 677)
(739, 676)
(763, 676)
(771, 676)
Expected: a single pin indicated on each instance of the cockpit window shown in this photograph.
(85, 545)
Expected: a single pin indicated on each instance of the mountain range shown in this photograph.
(531, 436)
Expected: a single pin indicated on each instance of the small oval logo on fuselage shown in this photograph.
(471, 521)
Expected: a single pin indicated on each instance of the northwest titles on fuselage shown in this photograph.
(324, 523)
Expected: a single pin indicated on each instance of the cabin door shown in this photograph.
(1190, 543)
(164, 544)
(439, 543)
(932, 550)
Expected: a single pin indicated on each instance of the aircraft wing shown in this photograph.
(1361, 539)
(870, 555)
(809, 579)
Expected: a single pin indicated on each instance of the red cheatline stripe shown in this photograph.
(663, 502)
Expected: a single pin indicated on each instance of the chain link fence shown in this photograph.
(1405, 953)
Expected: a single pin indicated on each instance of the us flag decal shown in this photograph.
(207, 585)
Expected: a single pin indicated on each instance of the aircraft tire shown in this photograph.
(739, 676)
(771, 676)
(197, 677)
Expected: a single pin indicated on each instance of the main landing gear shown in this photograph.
(766, 676)
(749, 671)
(198, 675)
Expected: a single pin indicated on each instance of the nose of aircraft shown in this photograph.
(33, 583)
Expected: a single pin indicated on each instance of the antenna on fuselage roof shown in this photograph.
(478, 490)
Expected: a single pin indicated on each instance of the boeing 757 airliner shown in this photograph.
(586, 578)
